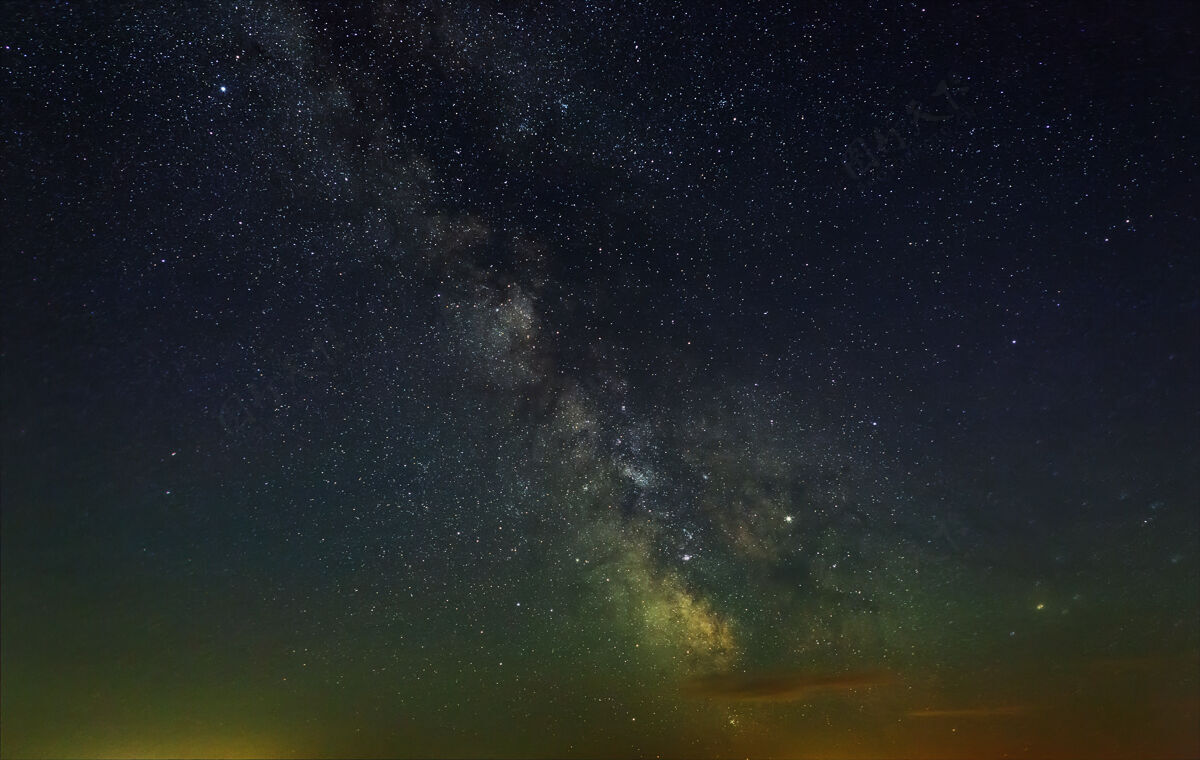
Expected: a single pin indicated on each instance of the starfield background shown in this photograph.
(463, 379)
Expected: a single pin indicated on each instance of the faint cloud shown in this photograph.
(972, 712)
(782, 687)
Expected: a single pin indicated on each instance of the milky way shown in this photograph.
(443, 380)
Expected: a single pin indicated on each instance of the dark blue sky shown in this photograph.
(586, 380)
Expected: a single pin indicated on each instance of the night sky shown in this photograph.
(453, 379)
